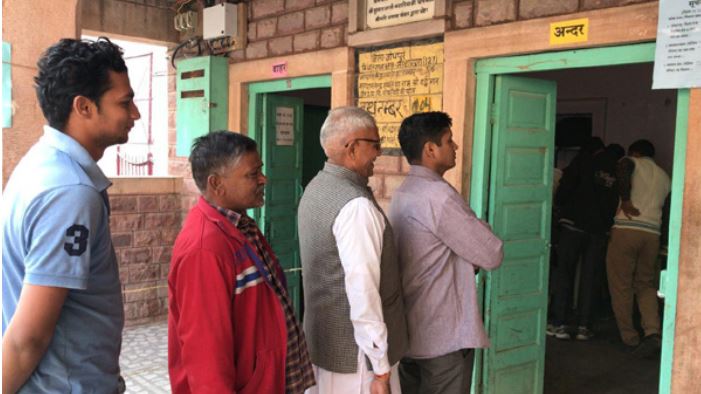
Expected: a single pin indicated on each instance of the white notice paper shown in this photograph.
(678, 48)
(284, 126)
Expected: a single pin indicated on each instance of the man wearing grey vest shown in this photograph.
(354, 313)
(441, 243)
(631, 260)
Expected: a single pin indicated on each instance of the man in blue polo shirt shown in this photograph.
(62, 313)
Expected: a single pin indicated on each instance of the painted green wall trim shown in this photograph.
(255, 110)
(278, 85)
(483, 138)
(607, 56)
(487, 69)
(300, 83)
(675, 224)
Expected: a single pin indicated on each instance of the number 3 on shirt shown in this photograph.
(79, 244)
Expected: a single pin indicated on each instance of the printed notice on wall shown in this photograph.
(383, 13)
(284, 126)
(397, 82)
(678, 48)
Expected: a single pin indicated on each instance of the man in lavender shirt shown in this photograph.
(441, 245)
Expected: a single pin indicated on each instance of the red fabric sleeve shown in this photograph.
(205, 287)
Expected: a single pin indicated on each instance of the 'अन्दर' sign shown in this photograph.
(567, 32)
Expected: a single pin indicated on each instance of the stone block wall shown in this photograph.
(144, 226)
(479, 13)
(389, 173)
(283, 27)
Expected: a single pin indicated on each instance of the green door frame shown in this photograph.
(255, 108)
(487, 69)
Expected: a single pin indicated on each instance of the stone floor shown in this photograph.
(144, 358)
(600, 365)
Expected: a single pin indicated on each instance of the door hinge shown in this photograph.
(493, 114)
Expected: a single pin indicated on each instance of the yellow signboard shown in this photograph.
(397, 82)
(567, 32)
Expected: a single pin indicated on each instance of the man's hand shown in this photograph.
(629, 209)
(380, 385)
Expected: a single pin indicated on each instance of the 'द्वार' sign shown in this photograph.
(567, 32)
(383, 13)
(397, 82)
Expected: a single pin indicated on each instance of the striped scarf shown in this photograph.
(298, 367)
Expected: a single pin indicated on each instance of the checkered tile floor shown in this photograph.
(144, 358)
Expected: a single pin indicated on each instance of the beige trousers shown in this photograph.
(632, 266)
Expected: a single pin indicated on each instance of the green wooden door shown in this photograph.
(520, 213)
(282, 155)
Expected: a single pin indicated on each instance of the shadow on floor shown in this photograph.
(600, 365)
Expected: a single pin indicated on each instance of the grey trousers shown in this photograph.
(447, 374)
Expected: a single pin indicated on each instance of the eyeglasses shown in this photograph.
(377, 144)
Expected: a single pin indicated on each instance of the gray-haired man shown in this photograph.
(353, 299)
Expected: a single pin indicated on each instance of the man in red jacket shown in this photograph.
(231, 326)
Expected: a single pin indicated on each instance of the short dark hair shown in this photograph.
(592, 145)
(420, 128)
(73, 68)
(643, 147)
(616, 150)
(216, 150)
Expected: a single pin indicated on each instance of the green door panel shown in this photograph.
(283, 167)
(520, 213)
(202, 99)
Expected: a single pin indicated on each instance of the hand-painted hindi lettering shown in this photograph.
(678, 47)
(284, 126)
(280, 69)
(397, 82)
(383, 13)
(566, 32)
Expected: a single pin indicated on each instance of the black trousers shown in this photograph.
(447, 374)
(592, 250)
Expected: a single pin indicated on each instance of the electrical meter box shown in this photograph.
(202, 100)
(220, 20)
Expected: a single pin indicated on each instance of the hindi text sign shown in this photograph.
(397, 82)
(678, 46)
(280, 69)
(284, 126)
(567, 32)
(383, 13)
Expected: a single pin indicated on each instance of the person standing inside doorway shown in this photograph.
(634, 246)
(62, 312)
(441, 245)
(587, 200)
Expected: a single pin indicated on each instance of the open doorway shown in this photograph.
(285, 118)
(511, 185)
(616, 105)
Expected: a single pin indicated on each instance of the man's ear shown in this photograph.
(429, 151)
(351, 149)
(83, 107)
(214, 184)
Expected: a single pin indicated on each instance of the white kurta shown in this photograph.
(358, 230)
